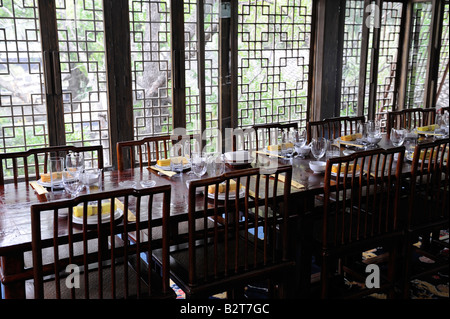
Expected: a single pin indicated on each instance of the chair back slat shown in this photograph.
(429, 183)
(243, 225)
(410, 118)
(361, 196)
(101, 249)
(145, 152)
(333, 127)
(34, 162)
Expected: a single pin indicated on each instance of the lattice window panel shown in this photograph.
(23, 113)
(274, 40)
(354, 12)
(151, 67)
(418, 55)
(391, 14)
(83, 73)
(443, 75)
(211, 71)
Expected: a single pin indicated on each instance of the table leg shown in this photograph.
(12, 265)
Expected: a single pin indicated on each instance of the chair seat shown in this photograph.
(50, 289)
(237, 265)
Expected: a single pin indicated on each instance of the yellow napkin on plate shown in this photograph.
(38, 188)
(106, 209)
(168, 173)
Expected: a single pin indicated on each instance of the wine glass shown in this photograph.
(318, 147)
(190, 148)
(373, 133)
(215, 165)
(299, 141)
(397, 136)
(287, 143)
(176, 158)
(73, 181)
(439, 128)
(198, 164)
(75, 161)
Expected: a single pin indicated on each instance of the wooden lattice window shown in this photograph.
(274, 42)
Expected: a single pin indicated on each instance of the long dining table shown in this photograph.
(16, 199)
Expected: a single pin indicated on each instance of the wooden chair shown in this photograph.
(359, 214)
(115, 270)
(267, 134)
(248, 239)
(333, 127)
(144, 152)
(409, 118)
(428, 211)
(30, 164)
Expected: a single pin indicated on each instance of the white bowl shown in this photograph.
(317, 166)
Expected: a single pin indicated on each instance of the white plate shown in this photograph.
(92, 220)
(49, 184)
(231, 195)
(167, 168)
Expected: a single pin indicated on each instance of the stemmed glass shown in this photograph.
(318, 147)
(397, 136)
(287, 143)
(176, 158)
(299, 141)
(75, 162)
(73, 181)
(198, 164)
(439, 129)
(190, 148)
(373, 133)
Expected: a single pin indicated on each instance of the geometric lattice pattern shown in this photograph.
(151, 67)
(443, 75)
(351, 57)
(391, 14)
(274, 41)
(23, 113)
(418, 55)
(83, 73)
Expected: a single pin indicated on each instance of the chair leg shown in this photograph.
(324, 280)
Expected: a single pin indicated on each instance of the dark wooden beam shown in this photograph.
(118, 56)
(328, 58)
(52, 71)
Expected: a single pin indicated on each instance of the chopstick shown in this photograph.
(268, 154)
(429, 133)
(38, 188)
(295, 184)
(168, 173)
(351, 144)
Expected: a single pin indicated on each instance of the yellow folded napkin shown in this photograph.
(168, 173)
(426, 128)
(92, 209)
(119, 204)
(38, 188)
(351, 137)
(222, 187)
(166, 161)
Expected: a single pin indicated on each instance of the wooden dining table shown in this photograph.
(16, 199)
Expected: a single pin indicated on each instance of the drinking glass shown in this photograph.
(439, 128)
(176, 158)
(334, 148)
(397, 136)
(299, 141)
(73, 181)
(198, 164)
(215, 165)
(56, 167)
(75, 161)
(190, 147)
(319, 147)
(287, 143)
